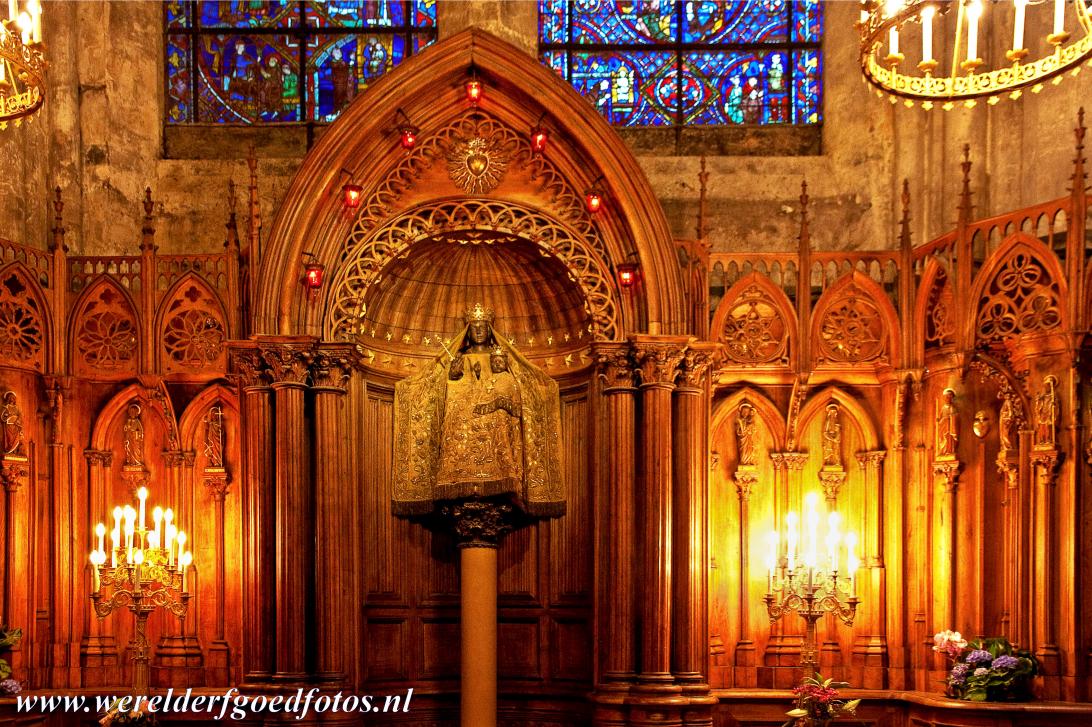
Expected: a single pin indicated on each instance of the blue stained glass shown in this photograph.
(424, 13)
(618, 22)
(743, 21)
(740, 87)
(242, 14)
(356, 14)
(422, 41)
(178, 15)
(558, 60)
(807, 108)
(178, 79)
(553, 21)
(244, 79)
(807, 21)
(341, 66)
(630, 88)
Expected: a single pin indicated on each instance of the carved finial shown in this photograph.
(58, 222)
(805, 233)
(965, 207)
(703, 177)
(147, 244)
(251, 161)
(904, 224)
(232, 241)
(231, 197)
(1079, 175)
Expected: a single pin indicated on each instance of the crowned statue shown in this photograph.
(479, 421)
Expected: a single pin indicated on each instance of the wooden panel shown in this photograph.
(439, 649)
(518, 649)
(570, 537)
(570, 657)
(386, 652)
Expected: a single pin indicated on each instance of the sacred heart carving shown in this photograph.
(476, 165)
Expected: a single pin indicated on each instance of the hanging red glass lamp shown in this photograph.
(407, 132)
(593, 198)
(628, 273)
(352, 194)
(539, 137)
(473, 89)
(313, 272)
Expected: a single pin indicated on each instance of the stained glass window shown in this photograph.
(670, 63)
(255, 61)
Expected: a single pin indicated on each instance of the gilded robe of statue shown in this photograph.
(480, 422)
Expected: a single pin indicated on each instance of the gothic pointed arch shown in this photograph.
(25, 323)
(936, 319)
(851, 405)
(191, 329)
(104, 332)
(756, 323)
(1020, 292)
(584, 151)
(854, 323)
(189, 424)
(155, 402)
(773, 423)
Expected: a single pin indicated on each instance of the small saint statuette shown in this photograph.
(134, 437)
(1046, 414)
(745, 434)
(832, 437)
(947, 431)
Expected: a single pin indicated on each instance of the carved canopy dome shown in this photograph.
(421, 297)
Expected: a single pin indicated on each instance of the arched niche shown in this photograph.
(935, 318)
(191, 330)
(104, 332)
(1020, 292)
(854, 325)
(583, 150)
(756, 323)
(26, 328)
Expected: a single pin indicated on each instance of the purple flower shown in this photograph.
(10, 686)
(981, 671)
(1005, 662)
(958, 675)
(978, 656)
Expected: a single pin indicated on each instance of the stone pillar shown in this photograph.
(657, 359)
(478, 526)
(330, 372)
(616, 373)
(690, 510)
(257, 446)
(288, 361)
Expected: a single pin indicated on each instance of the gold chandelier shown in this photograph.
(22, 65)
(1048, 39)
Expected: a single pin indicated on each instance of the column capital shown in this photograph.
(101, 457)
(699, 358)
(793, 461)
(479, 523)
(217, 482)
(331, 367)
(14, 469)
(614, 365)
(289, 360)
(949, 471)
(248, 369)
(871, 458)
(658, 359)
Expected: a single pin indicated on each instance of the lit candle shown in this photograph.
(138, 560)
(1059, 16)
(851, 562)
(184, 562)
(771, 561)
(96, 561)
(13, 10)
(35, 9)
(1018, 26)
(927, 14)
(181, 539)
(791, 539)
(893, 7)
(129, 542)
(974, 12)
(25, 25)
(157, 518)
(169, 544)
(832, 540)
(100, 531)
(115, 538)
(117, 518)
(142, 495)
(153, 539)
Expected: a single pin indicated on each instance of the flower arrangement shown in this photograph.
(119, 717)
(986, 670)
(817, 703)
(8, 638)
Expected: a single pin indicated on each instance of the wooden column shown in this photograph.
(690, 509)
(870, 648)
(288, 361)
(66, 594)
(217, 482)
(330, 372)
(657, 358)
(259, 574)
(616, 374)
(1045, 461)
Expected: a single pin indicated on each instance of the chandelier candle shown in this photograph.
(818, 587)
(145, 573)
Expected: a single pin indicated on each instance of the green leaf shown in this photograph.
(851, 706)
(797, 713)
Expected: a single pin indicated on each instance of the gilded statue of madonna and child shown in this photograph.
(480, 421)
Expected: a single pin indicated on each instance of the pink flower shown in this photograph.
(949, 643)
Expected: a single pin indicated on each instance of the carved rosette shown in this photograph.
(658, 362)
(479, 523)
(615, 366)
(288, 364)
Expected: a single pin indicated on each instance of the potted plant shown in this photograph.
(986, 669)
(817, 703)
(8, 638)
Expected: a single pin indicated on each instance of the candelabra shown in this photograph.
(798, 582)
(147, 570)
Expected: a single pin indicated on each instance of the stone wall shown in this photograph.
(101, 138)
